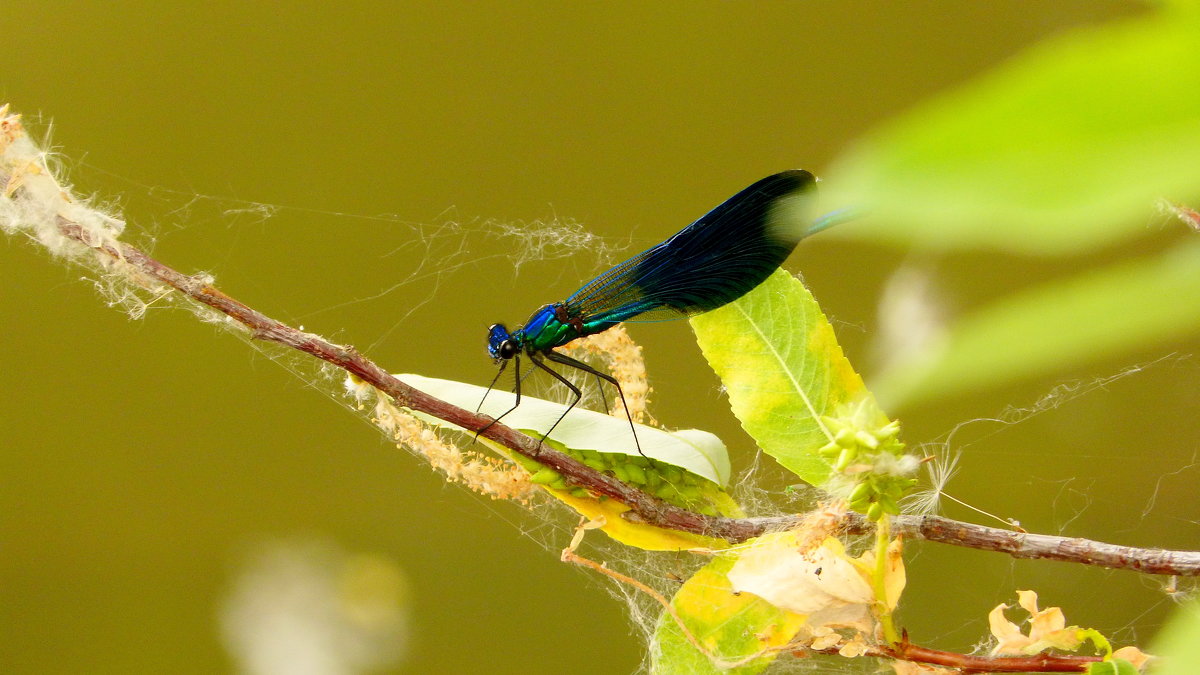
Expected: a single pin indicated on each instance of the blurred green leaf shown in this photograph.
(783, 369)
(697, 451)
(1113, 667)
(1067, 147)
(1055, 326)
(731, 626)
(1179, 643)
(1189, 5)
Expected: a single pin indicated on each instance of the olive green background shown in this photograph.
(142, 459)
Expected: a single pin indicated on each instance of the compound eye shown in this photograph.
(508, 349)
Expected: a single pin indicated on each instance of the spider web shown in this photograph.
(449, 244)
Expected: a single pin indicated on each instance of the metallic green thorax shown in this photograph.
(551, 326)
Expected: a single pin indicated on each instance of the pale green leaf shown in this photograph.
(732, 628)
(1179, 642)
(1066, 147)
(696, 451)
(1056, 326)
(1112, 667)
(782, 367)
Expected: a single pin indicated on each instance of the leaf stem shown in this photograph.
(879, 581)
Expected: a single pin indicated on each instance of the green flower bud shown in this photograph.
(861, 492)
(845, 459)
(832, 423)
(866, 439)
(889, 430)
(875, 511)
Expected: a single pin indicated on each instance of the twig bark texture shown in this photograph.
(30, 191)
(644, 507)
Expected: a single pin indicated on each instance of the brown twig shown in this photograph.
(263, 327)
(976, 663)
(644, 508)
(1018, 544)
(46, 212)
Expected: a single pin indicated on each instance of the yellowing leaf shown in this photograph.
(638, 535)
(738, 634)
(1134, 656)
(806, 582)
(1047, 629)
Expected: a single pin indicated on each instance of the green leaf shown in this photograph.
(782, 367)
(1066, 147)
(1112, 667)
(1055, 326)
(1185, 5)
(696, 451)
(1177, 643)
(731, 627)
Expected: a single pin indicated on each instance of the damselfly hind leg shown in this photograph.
(580, 365)
(558, 376)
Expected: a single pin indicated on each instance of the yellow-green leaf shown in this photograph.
(783, 370)
(731, 628)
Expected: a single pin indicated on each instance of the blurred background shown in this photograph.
(399, 178)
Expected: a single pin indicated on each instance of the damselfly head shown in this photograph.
(501, 344)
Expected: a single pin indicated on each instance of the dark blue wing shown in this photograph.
(709, 263)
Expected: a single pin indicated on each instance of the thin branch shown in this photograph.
(263, 327)
(1049, 547)
(975, 663)
(1016, 544)
(644, 508)
(46, 211)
